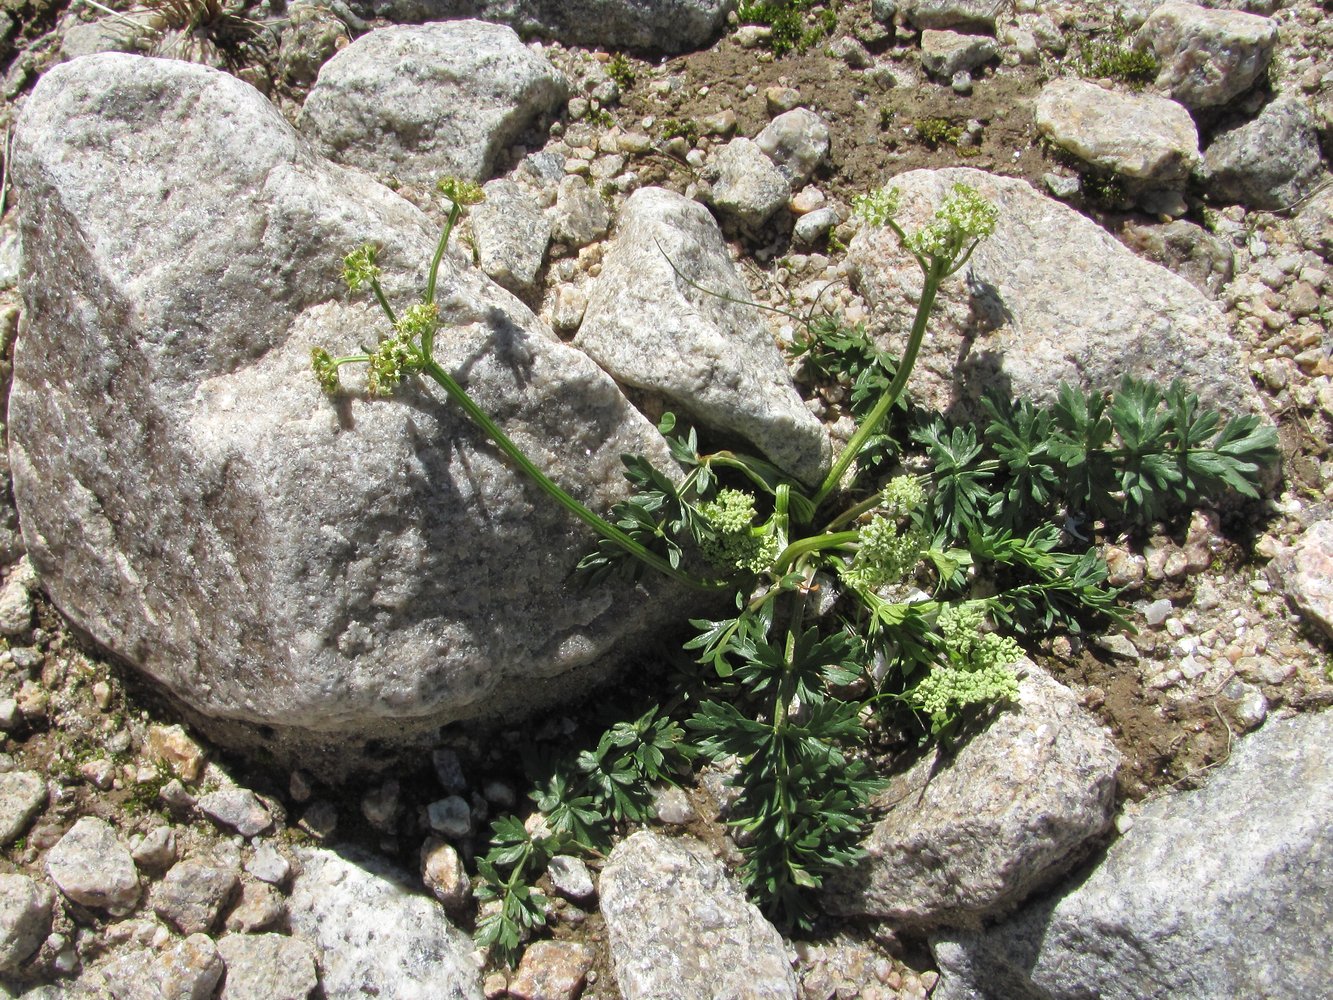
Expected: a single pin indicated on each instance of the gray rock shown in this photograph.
(1207, 57)
(188, 970)
(425, 101)
(511, 234)
(16, 600)
(451, 816)
(1222, 892)
(972, 835)
(268, 967)
(571, 879)
(274, 558)
(1304, 571)
(814, 226)
(92, 867)
(746, 184)
(156, 851)
(22, 797)
(579, 217)
(797, 142)
(1049, 297)
(661, 25)
(1139, 136)
(552, 970)
(1206, 261)
(1314, 224)
(712, 358)
(192, 895)
(376, 934)
(945, 53)
(269, 865)
(25, 918)
(672, 806)
(260, 908)
(1269, 163)
(968, 15)
(678, 928)
(237, 808)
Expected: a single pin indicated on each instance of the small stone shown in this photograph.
(299, 786)
(579, 218)
(189, 970)
(25, 918)
(380, 806)
(944, 54)
(100, 773)
(321, 819)
(781, 99)
(672, 806)
(156, 851)
(814, 226)
(173, 747)
(1264, 669)
(442, 871)
(961, 83)
(1125, 569)
(571, 879)
(1117, 645)
(237, 808)
(723, 123)
(1157, 612)
(1249, 707)
(260, 908)
(269, 865)
(191, 896)
(174, 794)
(450, 816)
(16, 600)
(267, 967)
(806, 200)
(22, 797)
(92, 867)
(551, 970)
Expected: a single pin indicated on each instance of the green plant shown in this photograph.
(684, 128)
(828, 632)
(1115, 56)
(887, 116)
(599, 117)
(794, 27)
(935, 132)
(619, 69)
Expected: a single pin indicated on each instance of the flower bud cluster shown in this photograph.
(735, 543)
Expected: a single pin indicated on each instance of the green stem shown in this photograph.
(384, 303)
(814, 543)
(455, 211)
(934, 275)
(603, 527)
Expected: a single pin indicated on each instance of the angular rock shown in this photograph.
(797, 142)
(267, 967)
(238, 809)
(679, 928)
(968, 15)
(1139, 136)
(1222, 892)
(1206, 261)
(579, 217)
(972, 835)
(661, 26)
(746, 184)
(944, 53)
(442, 871)
(814, 226)
(424, 101)
(1314, 224)
(1271, 162)
(91, 866)
(188, 970)
(1305, 571)
(16, 599)
(174, 747)
(260, 908)
(269, 865)
(571, 879)
(376, 934)
(710, 357)
(1207, 57)
(511, 234)
(22, 797)
(191, 896)
(551, 970)
(25, 918)
(311, 36)
(156, 851)
(304, 574)
(1049, 297)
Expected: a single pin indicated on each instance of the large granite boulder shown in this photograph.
(1222, 892)
(970, 835)
(1049, 297)
(425, 101)
(1207, 57)
(299, 571)
(1271, 162)
(655, 25)
(705, 352)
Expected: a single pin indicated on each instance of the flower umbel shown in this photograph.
(961, 219)
(326, 369)
(877, 207)
(359, 267)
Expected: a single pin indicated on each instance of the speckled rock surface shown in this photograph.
(1207, 57)
(1271, 162)
(972, 835)
(92, 867)
(424, 101)
(1222, 892)
(1049, 297)
(680, 929)
(272, 557)
(1305, 572)
(1140, 136)
(712, 358)
(377, 933)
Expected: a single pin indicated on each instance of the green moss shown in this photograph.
(936, 132)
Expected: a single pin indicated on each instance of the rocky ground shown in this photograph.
(130, 846)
